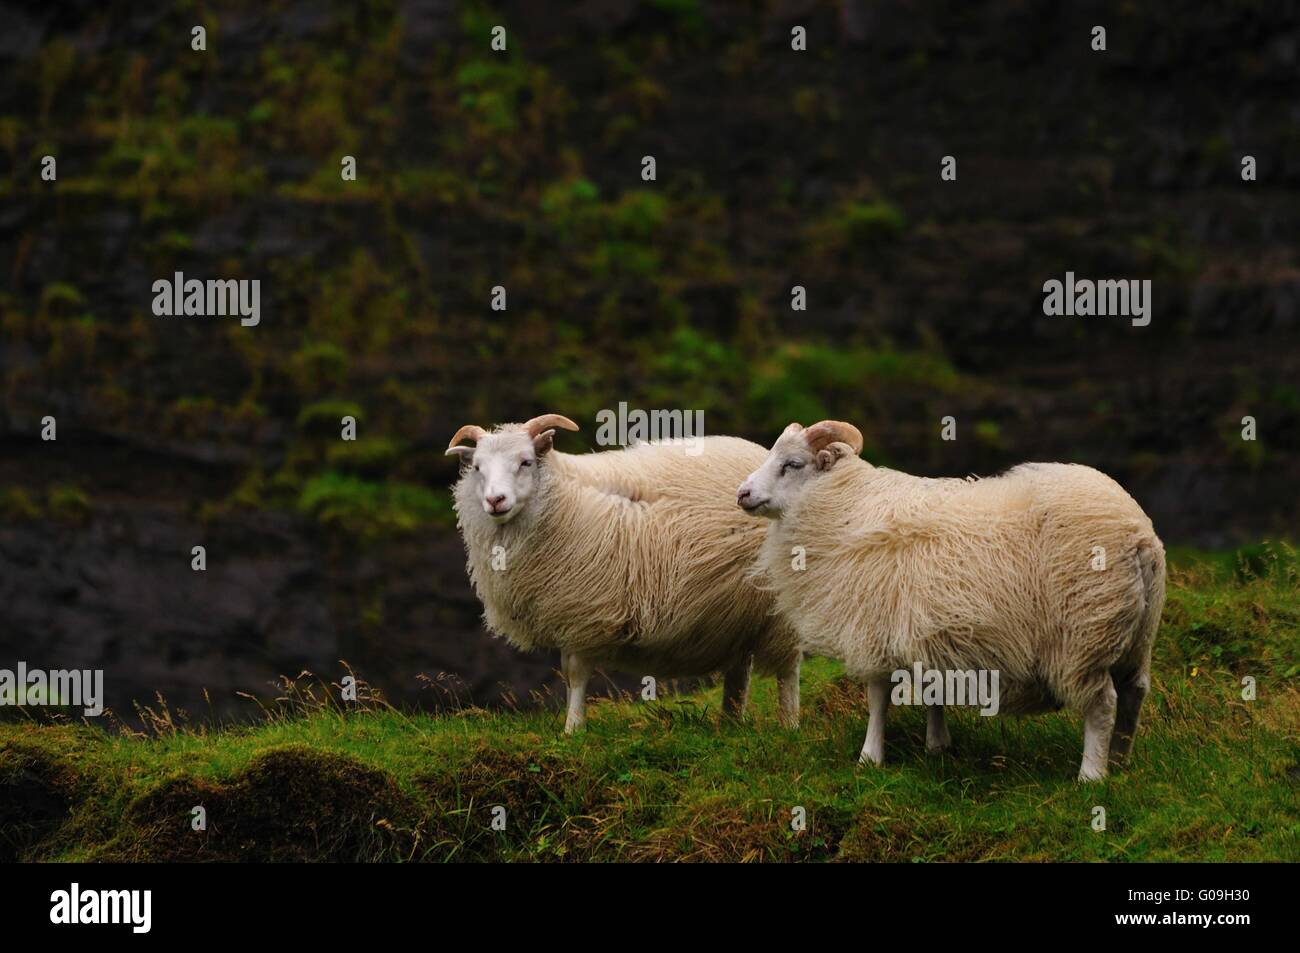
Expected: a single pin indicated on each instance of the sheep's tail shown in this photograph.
(1149, 563)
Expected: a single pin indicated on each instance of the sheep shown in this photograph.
(1049, 575)
(630, 559)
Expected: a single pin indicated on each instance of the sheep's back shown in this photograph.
(962, 574)
(708, 469)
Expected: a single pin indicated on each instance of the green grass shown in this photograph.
(1213, 778)
(366, 509)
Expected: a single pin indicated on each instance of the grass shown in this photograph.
(1213, 778)
(366, 509)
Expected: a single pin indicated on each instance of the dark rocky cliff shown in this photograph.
(775, 168)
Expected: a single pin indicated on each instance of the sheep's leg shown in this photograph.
(1098, 723)
(873, 749)
(787, 689)
(1131, 691)
(936, 729)
(735, 687)
(577, 672)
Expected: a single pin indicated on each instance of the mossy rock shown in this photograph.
(289, 804)
(35, 799)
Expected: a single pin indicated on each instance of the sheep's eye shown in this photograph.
(476, 468)
(525, 463)
(791, 465)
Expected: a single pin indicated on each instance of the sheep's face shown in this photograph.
(501, 472)
(790, 468)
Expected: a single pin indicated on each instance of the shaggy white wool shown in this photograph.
(635, 559)
(993, 574)
(959, 575)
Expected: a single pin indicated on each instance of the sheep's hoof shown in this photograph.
(1091, 773)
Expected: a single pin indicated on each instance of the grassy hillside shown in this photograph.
(1214, 777)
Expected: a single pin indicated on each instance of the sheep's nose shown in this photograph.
(495, 501)
(742, 495)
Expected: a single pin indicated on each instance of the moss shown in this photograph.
(192, 417)
(490, 90)
(638, 214)
(318, 365)
(369, 509)
(35, 798)
(694, 370)
(623, 259)
(989, 434)
(60, 298)
(580, 378)
(803, 381)
(17, 504)
(260, 112)
(271, 812)
(867, 222)
(561, 201)
(477, 21)
(250, 494)
(368, 456)
(325, 417)
(625, 227)
(68, 503)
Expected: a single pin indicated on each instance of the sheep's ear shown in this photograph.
(543, 441)
(828, 457)
(466, 454)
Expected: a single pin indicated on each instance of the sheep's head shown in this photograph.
(796, 459)
(502, 467)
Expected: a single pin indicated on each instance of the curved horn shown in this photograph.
(472, 431)
(832, 431)
(546, 422)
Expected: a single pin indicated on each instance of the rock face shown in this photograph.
(475, 169)
(118, 593)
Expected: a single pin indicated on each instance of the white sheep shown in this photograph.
(1050, 575)
(632, 559)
